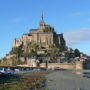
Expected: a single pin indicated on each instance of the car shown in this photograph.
(2, 72)
(57, 68)
(36, 69)
(9, 71)
(5, 71)
(86, 75)
(16, 70)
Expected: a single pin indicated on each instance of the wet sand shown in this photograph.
(66, 80)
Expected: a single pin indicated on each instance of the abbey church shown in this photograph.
(44, 36)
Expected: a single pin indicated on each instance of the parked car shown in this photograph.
(86, 75)
(36, 69)
(16, 70)
(6, 71)
(57, 68)
(9, 71)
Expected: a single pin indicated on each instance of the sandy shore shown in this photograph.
(65, 80)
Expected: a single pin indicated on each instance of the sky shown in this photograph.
(70, 17)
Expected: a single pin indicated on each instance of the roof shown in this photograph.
(33, 29)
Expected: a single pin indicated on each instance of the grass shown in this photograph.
(34, 81)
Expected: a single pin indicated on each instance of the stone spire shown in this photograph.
(42, 21)
(42, 17)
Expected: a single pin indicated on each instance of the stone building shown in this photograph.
(44, 36)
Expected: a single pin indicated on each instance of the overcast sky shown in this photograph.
(72, 17)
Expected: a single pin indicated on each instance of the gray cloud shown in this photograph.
(77, 36)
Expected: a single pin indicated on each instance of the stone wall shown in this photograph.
(55, 65)
(31, 62)
(78, 65)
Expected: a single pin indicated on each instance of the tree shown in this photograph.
(53, 52)
(17, 51)
(31, 49)
(77, 53)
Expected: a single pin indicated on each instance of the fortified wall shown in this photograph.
(77, 65)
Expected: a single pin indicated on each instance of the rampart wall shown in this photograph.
(77, 65)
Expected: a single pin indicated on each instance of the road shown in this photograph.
(65, 80)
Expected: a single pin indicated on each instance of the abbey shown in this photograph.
(43, 47)
(44, 36)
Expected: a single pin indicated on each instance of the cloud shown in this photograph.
(17, 19)
(88, 19)
(74, 14)
(79, 13)
(77, 36)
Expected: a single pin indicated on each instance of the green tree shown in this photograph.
(53, 52)
(77, 53)
(17, 51)
(31, 49)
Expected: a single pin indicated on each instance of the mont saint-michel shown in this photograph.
(43, 36)
(44, 44)
(43, 47)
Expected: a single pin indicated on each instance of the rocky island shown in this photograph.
(43, 47)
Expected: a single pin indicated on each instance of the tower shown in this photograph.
(42, 21)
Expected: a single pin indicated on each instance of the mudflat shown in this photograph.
(66, 80)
